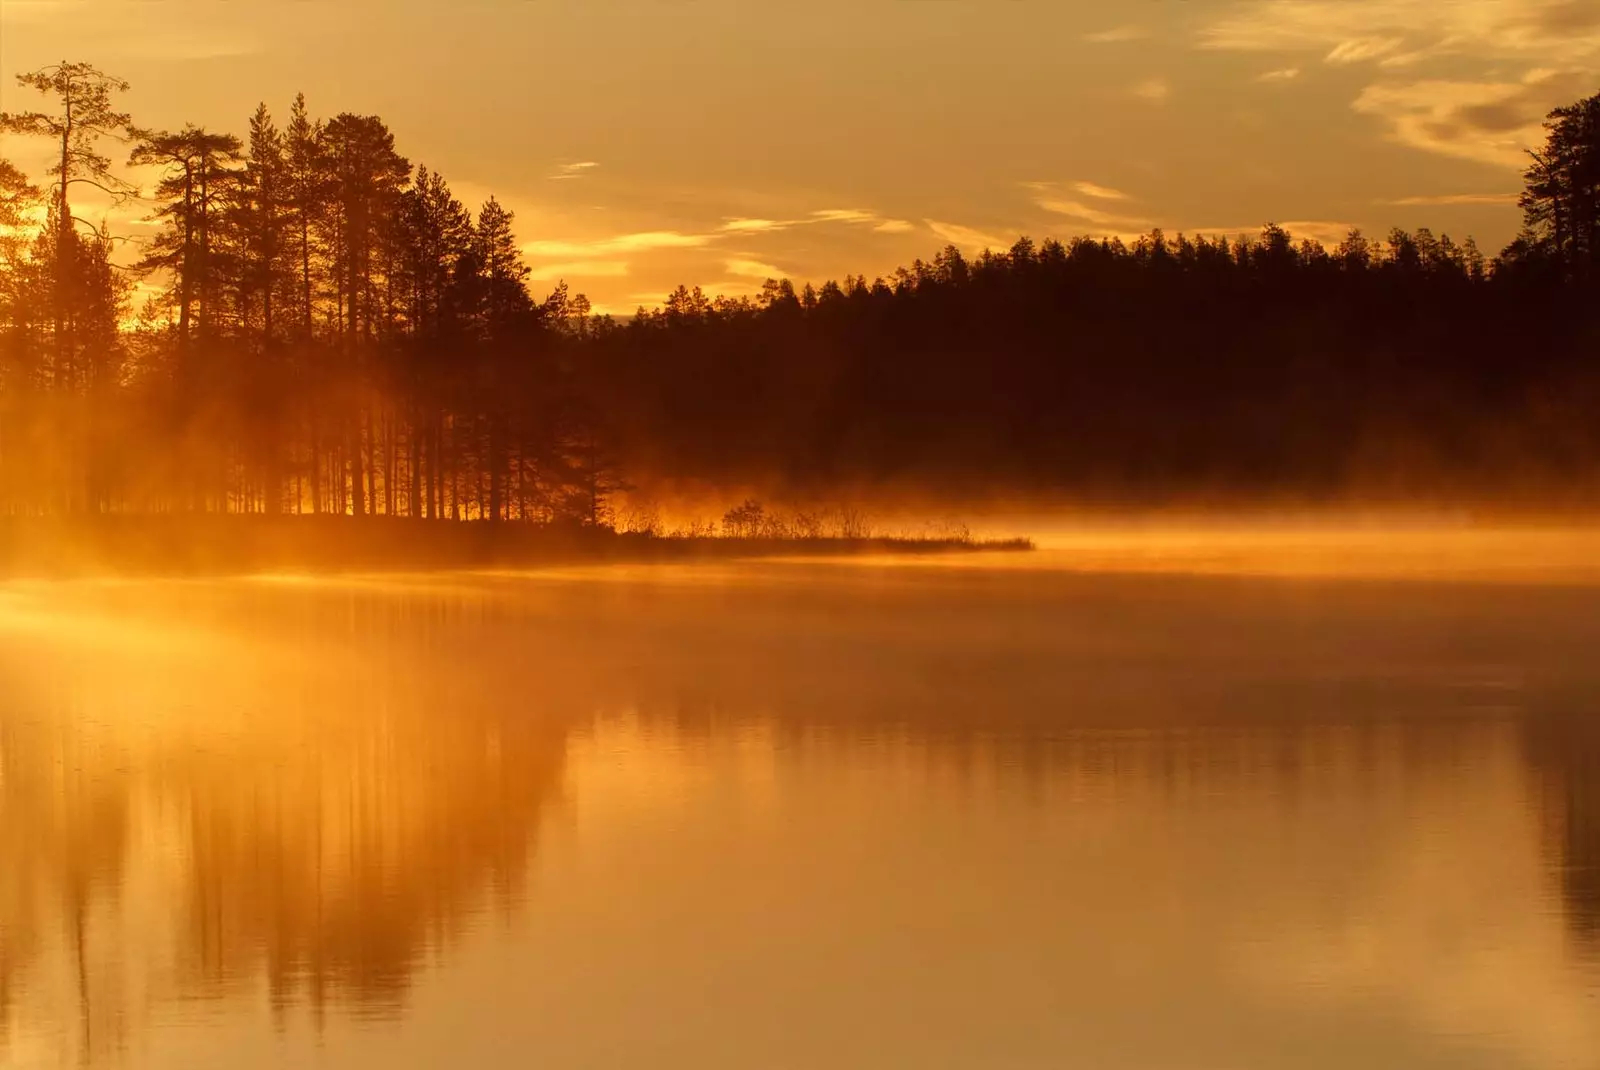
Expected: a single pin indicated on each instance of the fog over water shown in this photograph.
(1313, 797)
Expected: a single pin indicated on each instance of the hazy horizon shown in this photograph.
(1087, 555)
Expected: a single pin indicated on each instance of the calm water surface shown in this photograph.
(986, 814)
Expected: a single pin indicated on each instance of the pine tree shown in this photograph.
(437, 239)
(263, 220)
(507, 320)
(364, 178)
(195, 185)
(306, 198)
(84, 115)
(1561, 203)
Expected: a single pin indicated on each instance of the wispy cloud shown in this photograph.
(1104, 221)
(609, 269)
(1358, 49)
(966, 237)
(1052, 200)
(1411, 58)
(573, 170)
(844, 215)
(1154, 90)
(1490, 122)
(1489, 118)
(1104, 193)
(1116, 35)
(752, 269)
(757, 226)
(1285, 74)
(824, 215)
(894, 226)
(1448, 199)
(617, 244)
(1351, 31)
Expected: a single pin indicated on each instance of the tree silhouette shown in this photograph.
(1561, 204)
(332, 331)
(85, 115)
(77, 287)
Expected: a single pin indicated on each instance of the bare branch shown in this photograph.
(129, 191)
(98, 231)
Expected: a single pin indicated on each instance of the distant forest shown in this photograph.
(336, 333)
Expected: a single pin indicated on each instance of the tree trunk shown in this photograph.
(316, 464)
(496, 475)
(414, 445)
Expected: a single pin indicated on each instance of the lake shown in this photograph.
(1124, 803)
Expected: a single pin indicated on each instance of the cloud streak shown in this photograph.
(1488, 122)
(1490, 118)
(642, 241)
(1450, 199)
(1354, 31)
(966, 237)
(1052, 198)
(757, 226)
(844, 215)
(1104, 193)
(1112, 221)
(752, 269)
(1358, 49)
(851, 216)
(572, 170)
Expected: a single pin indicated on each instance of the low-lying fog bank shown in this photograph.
(178, 544)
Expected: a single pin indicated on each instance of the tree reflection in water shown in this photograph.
(308, 793)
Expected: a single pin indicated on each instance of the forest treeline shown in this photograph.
(335, 332)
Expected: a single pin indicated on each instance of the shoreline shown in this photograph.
(223, 545)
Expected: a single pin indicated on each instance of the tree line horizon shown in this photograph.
(335, 333)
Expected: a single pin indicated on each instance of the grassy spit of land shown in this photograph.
(208, 544)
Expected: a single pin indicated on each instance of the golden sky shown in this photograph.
(719, 142)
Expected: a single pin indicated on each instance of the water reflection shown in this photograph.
(1564, 749)
(495, 815)
(206, 791)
